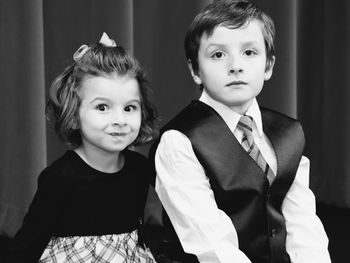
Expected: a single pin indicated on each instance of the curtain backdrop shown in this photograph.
(22, 95)
(38, 38)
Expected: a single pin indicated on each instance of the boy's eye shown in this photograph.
(217, 54)
(102, 107)
(249, 52)
(130, 108)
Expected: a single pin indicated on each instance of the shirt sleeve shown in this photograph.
(307, 241)
(184, 190)
(32, 238)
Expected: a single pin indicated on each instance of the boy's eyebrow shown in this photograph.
(224, 45)
(247, 43)
(250, 43)
(216, 45)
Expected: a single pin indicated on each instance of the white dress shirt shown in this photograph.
(206, 231)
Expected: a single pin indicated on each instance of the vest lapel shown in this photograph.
(287, 146)
(227, 156)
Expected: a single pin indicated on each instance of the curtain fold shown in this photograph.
(280, 92)
(323, 88)
(22, 95)
(38, 38)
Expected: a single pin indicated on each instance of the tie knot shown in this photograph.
(245, 124)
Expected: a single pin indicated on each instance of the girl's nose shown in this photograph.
(118, 119)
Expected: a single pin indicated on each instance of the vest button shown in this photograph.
(273, 232)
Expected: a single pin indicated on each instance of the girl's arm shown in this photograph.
(35, 233)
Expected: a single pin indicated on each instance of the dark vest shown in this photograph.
(240, 188)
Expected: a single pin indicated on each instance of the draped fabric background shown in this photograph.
(310, 80)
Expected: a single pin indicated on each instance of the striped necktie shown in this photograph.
(245, 124)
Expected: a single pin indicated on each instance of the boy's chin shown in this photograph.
(240, 107)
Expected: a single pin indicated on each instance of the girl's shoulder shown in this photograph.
(60, 169)
(136, 161)
(138, 168)
(134, 155)
(135, 158)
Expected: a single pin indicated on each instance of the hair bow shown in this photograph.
(106, 41)
(80, 52)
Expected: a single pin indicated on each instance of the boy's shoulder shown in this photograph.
(200, 115)
(190, 116)
(198, 112)
(272, 117)
(280, 127)
(276, 113)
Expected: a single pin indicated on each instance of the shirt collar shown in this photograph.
(254, 112)
(231, 117)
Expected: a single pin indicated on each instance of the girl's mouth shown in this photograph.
(117, 133)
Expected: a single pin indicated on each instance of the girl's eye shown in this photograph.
(217, 54)
(249, 52)
(130, 108)
(102, 107)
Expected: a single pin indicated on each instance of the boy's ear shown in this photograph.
(269, 68)
(195, 77)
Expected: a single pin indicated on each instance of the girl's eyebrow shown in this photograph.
(135, 100)
(99, 98)
(108, 100)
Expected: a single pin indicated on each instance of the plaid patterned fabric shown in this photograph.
(96, 249)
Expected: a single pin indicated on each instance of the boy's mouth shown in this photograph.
(236, 82)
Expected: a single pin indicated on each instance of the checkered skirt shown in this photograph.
(96, 249)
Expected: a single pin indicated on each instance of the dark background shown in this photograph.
(310, 82)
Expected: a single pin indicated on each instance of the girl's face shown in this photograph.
(110, 113)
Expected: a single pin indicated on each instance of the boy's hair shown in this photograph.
(99, 60)
(230, 14)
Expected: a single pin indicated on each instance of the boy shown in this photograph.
(231, 175)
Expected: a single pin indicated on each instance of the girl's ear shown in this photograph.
(269, 68)
(194, 75)
(75, 125)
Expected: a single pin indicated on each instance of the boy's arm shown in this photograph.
(306, 238)
(184, 190)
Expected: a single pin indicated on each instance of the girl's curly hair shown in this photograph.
(99, 60)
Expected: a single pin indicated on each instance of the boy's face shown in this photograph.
(232, 65)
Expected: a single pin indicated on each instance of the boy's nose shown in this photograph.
(235, 70)
(235, 66)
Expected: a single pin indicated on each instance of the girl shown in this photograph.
(90, 201)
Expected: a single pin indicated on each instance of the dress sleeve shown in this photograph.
(307, 241)
(32, 238)
(184, 190)
(143, 177)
